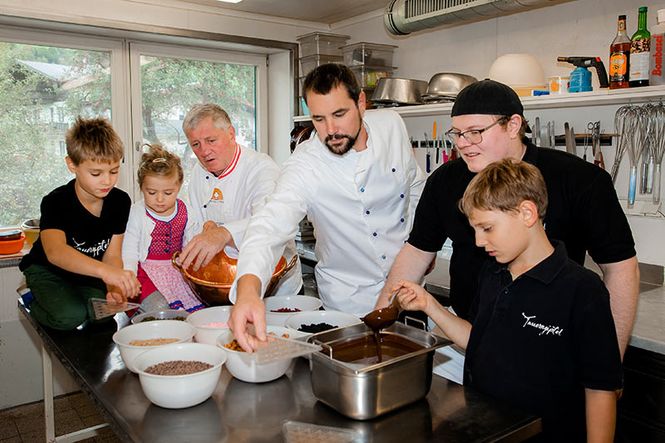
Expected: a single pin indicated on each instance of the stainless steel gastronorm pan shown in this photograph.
(364, 392)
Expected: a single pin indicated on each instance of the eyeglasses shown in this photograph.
(473, 136)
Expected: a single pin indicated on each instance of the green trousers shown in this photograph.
(60, 303)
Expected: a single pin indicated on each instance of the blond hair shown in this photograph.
(93, 139)
(159, 162)
(200, 112)
(503, 186)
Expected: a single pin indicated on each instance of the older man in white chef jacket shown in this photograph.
(228, 185)
(357, 181)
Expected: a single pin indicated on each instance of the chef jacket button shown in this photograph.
(367, 212)
(401, 196)
(374, 234)
(383, 257)
(207, 177)
(362, 189)
(394, 169)
(205, 206)
(505, 291)
(401, 220)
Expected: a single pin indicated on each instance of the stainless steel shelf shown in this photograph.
(602, 97)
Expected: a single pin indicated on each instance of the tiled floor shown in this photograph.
(25, 424)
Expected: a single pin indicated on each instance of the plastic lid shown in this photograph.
(103, 308)
(298, 432)
(280, 348)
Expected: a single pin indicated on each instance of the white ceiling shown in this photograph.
(323, 11)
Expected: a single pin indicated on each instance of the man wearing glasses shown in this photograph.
(488, 125)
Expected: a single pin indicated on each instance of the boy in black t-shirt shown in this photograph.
(543, 337)
(78, 253)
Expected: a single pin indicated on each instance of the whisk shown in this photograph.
(658, 149)
(622, 142)
(635, 127)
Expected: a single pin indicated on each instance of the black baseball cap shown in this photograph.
(487, 97)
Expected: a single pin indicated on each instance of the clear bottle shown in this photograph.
(657, 70)
(639, 52)
(620, 56)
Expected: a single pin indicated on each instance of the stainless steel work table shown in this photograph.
(244, 412)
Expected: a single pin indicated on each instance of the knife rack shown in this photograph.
(605, 139)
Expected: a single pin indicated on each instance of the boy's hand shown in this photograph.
(412, 296)
(114, 295)
(120, 282)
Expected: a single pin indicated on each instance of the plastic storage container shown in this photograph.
(321, 43)
(368, 54)
(368, 76)
(307, 64)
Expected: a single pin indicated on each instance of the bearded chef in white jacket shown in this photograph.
(228, 185)
(357, 181)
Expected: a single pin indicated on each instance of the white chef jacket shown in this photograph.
(361, 205)
(230, 199)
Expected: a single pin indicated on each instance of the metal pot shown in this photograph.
(399, 91)
(448, 84)
(213, 282)
(365, 391)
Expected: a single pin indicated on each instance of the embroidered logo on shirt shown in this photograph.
(217, 195)
(544, 329)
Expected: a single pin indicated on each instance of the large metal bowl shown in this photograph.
(213, 281)
(448, 83)
(403, 91)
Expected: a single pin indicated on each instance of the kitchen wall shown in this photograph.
(582, 27)
(576, 28)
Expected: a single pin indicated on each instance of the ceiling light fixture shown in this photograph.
(230, 1)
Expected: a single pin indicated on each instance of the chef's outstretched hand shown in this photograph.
(412, 296)
(203, 247)
(249, 310)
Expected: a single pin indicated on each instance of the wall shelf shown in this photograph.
(603, 97)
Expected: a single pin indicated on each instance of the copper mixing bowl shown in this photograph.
(213, 281)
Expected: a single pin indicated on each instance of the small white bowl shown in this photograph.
(162, 314)
(180, 391)
(246, 369)
(336, 318)
(304, 303)
(209, 323)
(179, 330)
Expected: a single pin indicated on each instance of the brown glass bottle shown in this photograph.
(620, 56)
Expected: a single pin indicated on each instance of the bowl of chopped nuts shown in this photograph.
(134, 340)
(279, 309)
(180, 375)
(243, 367)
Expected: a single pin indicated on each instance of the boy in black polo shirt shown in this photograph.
(543, 337)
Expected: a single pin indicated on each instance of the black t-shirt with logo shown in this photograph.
(85, 232)
(539, 340)
(583, 212)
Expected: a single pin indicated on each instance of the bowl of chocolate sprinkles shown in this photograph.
(180, 375)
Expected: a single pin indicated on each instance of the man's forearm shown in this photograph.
(623, 283)
(410, 264)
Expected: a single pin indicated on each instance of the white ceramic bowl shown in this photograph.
(179, 330)
(303, 302)
(336, 318)
(180, 391)
(162, 314)
(246, 369)
(209, 323)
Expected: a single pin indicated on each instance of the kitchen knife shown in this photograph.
(569, 139)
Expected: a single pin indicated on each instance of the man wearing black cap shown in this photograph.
(488, 125)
